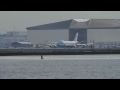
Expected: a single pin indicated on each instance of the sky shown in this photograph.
(23, 19)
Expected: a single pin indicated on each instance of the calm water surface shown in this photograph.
(60, 67)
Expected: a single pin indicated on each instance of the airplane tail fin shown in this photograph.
(76, 37)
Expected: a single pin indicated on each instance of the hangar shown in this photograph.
(98, 30)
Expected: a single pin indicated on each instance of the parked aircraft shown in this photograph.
(63, 43)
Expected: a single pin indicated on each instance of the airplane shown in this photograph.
(63, 43)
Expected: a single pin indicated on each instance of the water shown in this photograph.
(60, 67)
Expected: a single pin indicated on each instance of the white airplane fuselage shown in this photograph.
(73, 43)
(67, 43)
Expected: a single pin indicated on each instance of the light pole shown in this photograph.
(14, 34)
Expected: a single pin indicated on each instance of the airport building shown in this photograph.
(12, 36)
(89, 30)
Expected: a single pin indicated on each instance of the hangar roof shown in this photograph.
(80, 24)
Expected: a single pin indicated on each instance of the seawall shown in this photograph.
(56, 51)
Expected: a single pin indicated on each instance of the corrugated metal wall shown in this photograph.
(42, 36)
(103, 35)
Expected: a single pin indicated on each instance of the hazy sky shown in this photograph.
(23, 19)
